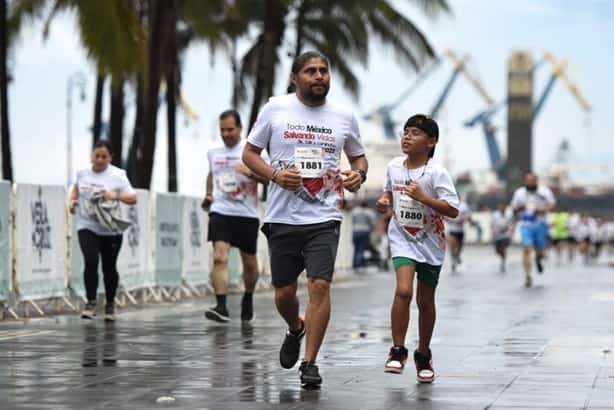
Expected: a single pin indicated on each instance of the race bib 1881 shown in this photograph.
(310, 161)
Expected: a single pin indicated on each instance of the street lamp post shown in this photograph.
(76, 79)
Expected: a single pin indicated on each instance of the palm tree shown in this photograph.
(266, 51)
(172, 90)
(157, 10)
(98, 95)
(215, 21)
(113, 39)
(116, 122)
(341, 30)
(7, 165)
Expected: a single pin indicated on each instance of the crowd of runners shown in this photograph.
(295, 148)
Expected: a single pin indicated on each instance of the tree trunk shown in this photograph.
(158, 14)
(234, 63)
(272, 36)
(117, 119)
(172, 90)
(97, 127)
(7, 163)
(298, 46)
(135, 152)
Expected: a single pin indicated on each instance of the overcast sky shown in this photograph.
(580, 32)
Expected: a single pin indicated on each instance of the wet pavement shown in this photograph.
(496, 345)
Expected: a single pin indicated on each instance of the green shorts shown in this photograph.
(428, 274)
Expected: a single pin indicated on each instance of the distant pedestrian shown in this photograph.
(363, 221)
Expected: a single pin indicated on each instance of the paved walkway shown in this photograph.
(497, 345)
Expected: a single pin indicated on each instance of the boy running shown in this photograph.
(421, 194)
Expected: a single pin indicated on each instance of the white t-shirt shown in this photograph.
(88, 182)
(363, 219)
(457, 225)
(573, 226)
(417, 231)
(541, 198)
(311, 139)
(501, 224)
(234, 194)
(586, 228)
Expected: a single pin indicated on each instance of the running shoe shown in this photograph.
(310, 375)
(397, 357)
(291, 348)
(424, 367)
(217, 313)
(89, 311)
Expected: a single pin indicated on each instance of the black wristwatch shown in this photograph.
(363, 175)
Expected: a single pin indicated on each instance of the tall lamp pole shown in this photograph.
(76, 79)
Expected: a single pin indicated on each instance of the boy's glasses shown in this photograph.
(410, 131)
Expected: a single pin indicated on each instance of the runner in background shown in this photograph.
(456, 231)
(573, 234)
(97, 240)
(531, 203)
(232, 202)
(559, 235)
(502, 227)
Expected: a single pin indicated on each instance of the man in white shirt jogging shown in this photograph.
(305, 135)
(531, 202)
(232, 201)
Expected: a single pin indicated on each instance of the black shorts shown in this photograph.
(294, 248)
(502, 244)
(460, 236)
(239, 231)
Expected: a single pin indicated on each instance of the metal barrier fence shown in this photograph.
(164, 257)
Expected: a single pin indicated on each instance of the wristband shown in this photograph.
(274, 176)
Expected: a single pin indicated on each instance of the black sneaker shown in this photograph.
(291, 348)
(217, 313)
(310, 375)
(89, 311)
(109, 313)
(540, 266)
(397, 357)
(424, 367)
(247, 310)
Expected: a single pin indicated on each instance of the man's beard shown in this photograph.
(531, 188)
(315, 98)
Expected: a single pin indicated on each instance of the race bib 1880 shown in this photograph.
(410, 213)
(309, 161)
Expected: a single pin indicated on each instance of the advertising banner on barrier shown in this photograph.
(196, 262)
(168, 233)
(5, 235)
(134, 261)
(40, 223)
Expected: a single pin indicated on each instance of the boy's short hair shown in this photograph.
(426, 124)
